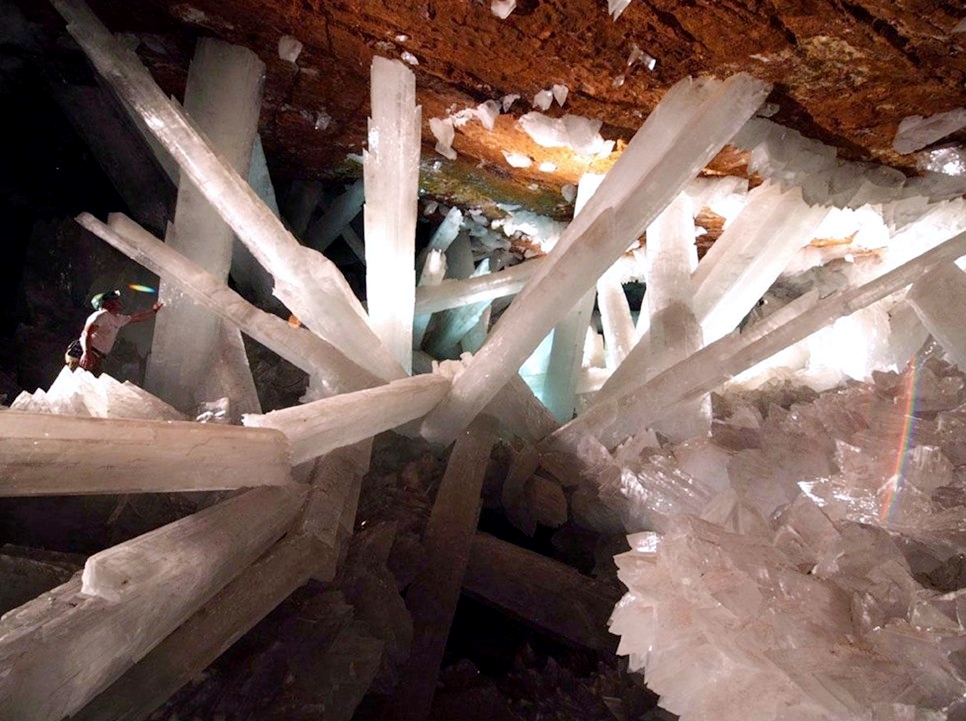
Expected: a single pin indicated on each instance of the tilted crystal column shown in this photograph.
(391, 173)
(939, 298)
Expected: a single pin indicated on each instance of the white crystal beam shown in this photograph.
(566, 354)
(305, 281)
(685, 131)
(321, 426)
(939, 298)
(750, 254)
(133, 456)
(434, 270)
(391, 172)
(335, 372)
(223, 96)
(615, 317)
(674, 329)
(336, 218)
(612, 420)
(61, 649)
(455, 293)
(193, 646)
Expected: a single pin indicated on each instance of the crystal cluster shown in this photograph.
(825, 582)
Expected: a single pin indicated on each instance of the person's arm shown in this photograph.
(145, 314)
(87, 358)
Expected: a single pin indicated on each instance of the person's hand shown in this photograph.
(87, 361)
(157, 306)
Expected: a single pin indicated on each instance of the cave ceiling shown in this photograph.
(845, 73)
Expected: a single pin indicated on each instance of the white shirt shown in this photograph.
(104, 327)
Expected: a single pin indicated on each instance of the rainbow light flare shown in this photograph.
(895, 482)
(142, 288)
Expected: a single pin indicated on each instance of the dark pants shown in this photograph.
(73, 362)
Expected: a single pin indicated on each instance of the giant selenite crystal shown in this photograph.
(59, 650)
(223, 96)
(305, 281)
(693, 121)
(391, 171)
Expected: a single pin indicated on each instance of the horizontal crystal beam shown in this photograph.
(310, 285)
(614, 419)
(64, 647)
(321, 426)
(133, 456)
(303, 349)
(690, 125)
(454, 293)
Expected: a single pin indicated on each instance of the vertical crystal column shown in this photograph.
(674, 329)
(391, 173)
(223, 97)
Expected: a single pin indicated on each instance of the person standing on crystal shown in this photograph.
(100, 331)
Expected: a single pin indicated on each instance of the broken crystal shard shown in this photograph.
(289, 48)
(62, 648)
(517, 160)
(335, 372)
(615, 317)
(321, 426)
(445, 133)
(502, 8)
(612, 420)
(391, 171)
(686, 129)
(133, 456)
(559, 94)
(543, 99)
(938, 298)
(306, 282)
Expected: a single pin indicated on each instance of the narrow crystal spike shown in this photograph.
(693, 121)
(615, 317)
(434, 270)
(336, 218)
(453, 293)
(391, 170)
